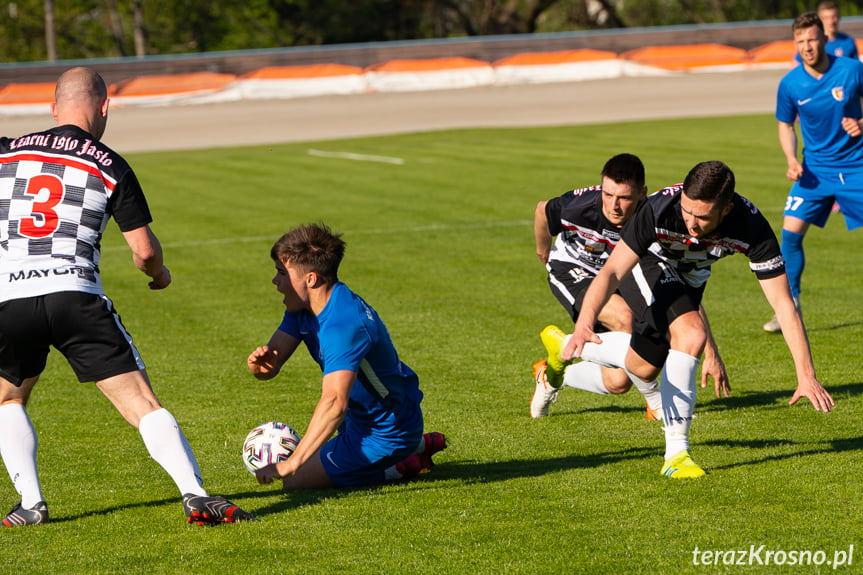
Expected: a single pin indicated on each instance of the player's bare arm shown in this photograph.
(619, 264)
(328, 415)
(540, 232)
(851, 127)
(788, 143)
(266, 361)
(778, 295)
(147, 255)
(713, 366)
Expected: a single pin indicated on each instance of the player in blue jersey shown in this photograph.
(838, 43)
(661, 266)
(368, 395)
(587, 224)
(824, 94)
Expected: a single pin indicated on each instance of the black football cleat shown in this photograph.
(19, 516)
(204, 509)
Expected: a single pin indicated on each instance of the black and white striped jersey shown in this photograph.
(658, 228)
(58, 189)
(585, 237)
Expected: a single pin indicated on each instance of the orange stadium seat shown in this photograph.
(779, 52)
(173, 84)
(35, 93)
(309, 71)
(687, 57)
(427, 65)
(559, 57)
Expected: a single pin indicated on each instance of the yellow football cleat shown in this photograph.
(552, 339)
(681, 466)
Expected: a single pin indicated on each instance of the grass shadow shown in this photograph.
(834, 446)
(769, 399)
(472, 472)
(469, 472)
(834, 327)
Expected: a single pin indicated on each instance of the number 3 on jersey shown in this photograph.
(792, 203)
(45, 220)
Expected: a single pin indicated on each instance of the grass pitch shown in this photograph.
(442, 246)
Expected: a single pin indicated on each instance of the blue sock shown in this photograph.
(795, 261)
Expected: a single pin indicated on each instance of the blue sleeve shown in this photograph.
(291, 325)
(343, 346)
(786, 110)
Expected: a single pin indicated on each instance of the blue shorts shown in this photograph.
(812, 197)
(356, 457)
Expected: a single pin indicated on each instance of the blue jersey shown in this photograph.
(349, 335)
(842, 45)
(821, 104)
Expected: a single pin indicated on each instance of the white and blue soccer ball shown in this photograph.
(269, 443)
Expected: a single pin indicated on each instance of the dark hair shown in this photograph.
(710, 182)
(314, 247)
(807, 20)
(827, 5)
(625, 169)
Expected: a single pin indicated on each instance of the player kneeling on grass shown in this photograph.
(368, 395)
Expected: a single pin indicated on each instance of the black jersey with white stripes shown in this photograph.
(658, 228)
(585, 237)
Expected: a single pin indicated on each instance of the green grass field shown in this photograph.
(442, 246)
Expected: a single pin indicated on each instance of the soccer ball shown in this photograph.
(269, 443)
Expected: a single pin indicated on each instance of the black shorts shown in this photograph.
(569, 283)
(657, 295)
(83, 327)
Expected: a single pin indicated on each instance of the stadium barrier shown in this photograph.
(429, 74)
(690, 58)
(561, 66)
(275, 82)
(773, 55)
(284, 82)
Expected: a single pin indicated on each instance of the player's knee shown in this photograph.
(616, 381)
(616, 316)
(622, 322)
(688, 334)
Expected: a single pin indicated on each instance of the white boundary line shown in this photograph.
(356, 157)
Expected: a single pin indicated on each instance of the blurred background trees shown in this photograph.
(34, 30)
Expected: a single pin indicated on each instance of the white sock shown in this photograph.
(678, 400)
(650, 391)
(421, 446)
(392, 473)
(18, 443)
(612, 353)
(586, 376)
(169, 447)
